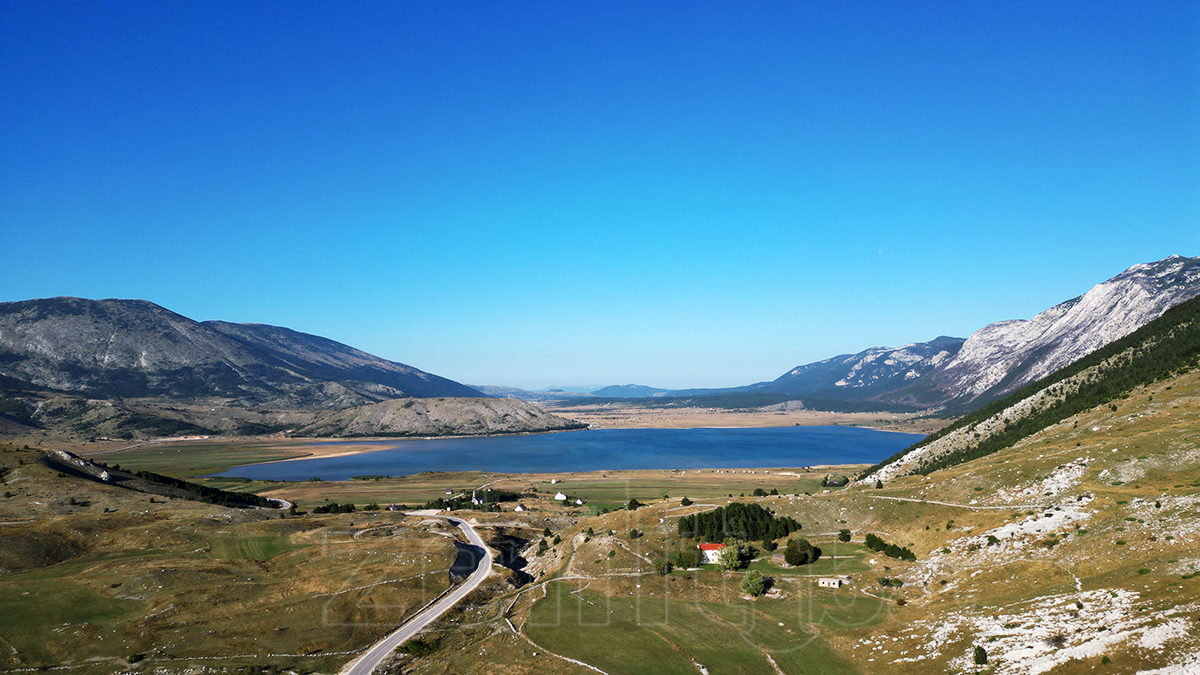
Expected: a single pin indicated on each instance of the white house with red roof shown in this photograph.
(711, 553)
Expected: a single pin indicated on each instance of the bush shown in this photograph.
(662, 567)
(753, 583)
(769, 545)
(980, 656)
(689, 558)
(843, 535)
(633, 505)
(801, 552)
(419, 647)
(685, 502)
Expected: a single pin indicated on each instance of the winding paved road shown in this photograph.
(366, 664)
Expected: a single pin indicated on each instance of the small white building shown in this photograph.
(558, 496)
(711, 553)
(825, 582)
(578, 502)
(520, 508)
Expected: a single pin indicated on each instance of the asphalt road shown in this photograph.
(366, 663)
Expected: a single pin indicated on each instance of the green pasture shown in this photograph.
(660, 634)
(35, 614)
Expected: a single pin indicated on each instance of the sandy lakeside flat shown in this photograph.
(623, 416)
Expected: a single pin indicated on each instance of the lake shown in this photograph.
(599, 450)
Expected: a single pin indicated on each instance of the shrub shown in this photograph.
(843, 535)
(769, 545)
(633, 505)
(685, 502)
(662, 567)
(980, 656)
(801, 552)
(419, 647)
(689, 558)
(753, 583)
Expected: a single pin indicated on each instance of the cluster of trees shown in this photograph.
(744, 521)
(800, 552)
(490, 498)
(891, 550)
(1164, 347)
(759, 492)
(205, 493)
(334, 507)
(834, 480)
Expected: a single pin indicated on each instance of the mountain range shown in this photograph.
(957, 374)
(118, 350)
(137, 349)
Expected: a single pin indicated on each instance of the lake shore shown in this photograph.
(627, 416)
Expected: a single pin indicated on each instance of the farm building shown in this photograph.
(711, 553)
(560, 497)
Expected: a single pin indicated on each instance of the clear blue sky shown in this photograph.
(534, 193)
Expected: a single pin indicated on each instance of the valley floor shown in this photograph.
(1074, 551)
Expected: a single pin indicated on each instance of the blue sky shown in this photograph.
(675, 194)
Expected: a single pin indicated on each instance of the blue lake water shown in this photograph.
(599, 450)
